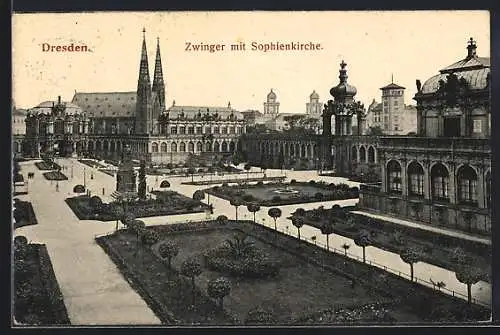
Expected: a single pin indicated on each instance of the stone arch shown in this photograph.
(112, 146)
(224, 146)
(199, 146)
(98, 146)
(190, 146)
(91, 146)
(163, 147)
(154, 147)
(173, 147)
(467, 184)
(216, 146)
(440, 177)
(371, 154)
(297, 149)
(354, 153)
(362, 154)
(208, 146)
(182, 147)
(232, 146)
(416, 175)
(393, 169)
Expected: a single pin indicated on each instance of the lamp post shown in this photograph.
(84, 178)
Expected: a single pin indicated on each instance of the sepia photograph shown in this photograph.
(251, 169)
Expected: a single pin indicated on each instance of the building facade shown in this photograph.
(392, 115)
(272, 105)
(443, 176)
(314, 107)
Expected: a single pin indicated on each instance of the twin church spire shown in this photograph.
(150, 99)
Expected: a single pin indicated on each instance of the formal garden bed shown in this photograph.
(269, 279)
(279, 179)
(24, 214)
(435, 248)
(278, 194)
(166, 203)
(37, 298)
(55, 175)
(47, 165)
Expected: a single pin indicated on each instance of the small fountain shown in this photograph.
(286, 190)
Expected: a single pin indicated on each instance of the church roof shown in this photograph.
(107, 104)
(192, 112)
(476, 79)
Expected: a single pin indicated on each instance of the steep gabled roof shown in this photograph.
(106, 104)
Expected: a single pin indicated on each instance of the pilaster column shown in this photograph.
(452, 192)
(427, 180)
(383, 172)
(481, 196)
(404, 178)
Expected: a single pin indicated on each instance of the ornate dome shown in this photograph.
(314, 95)
(343, 89)
(271, 95)
(473, 69)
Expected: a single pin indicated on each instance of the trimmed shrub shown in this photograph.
(293, 181)
(276, 198)
(79, 189)
(312, 182)
(318, 196)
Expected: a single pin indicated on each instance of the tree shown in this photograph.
(127, 219)
(218, 289)
(236, 203)
(149, 237)
(326, 229)
(275, 213)
(191, 268)
(363, 240)
(198, 195)
(164, 184)
(222, 218)
(142, 181)
(411, 256)
(168, 250)
(95, 202)
(298, 221)
(137, 226)
(79, 189)
(253, 208)
(300, 212)
(240, 246)
(346, 247)
(247, 168)
(469, 276)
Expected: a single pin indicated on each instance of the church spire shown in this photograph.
(158, 84)
(144, 67)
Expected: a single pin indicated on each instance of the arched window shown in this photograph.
(191, 147)
(208, 147)
(224, 147)
(393, 176)
(199, 147)
(163, 147)
(297, 149)
(488, 189)
(354, 153)
(292, 150)
(467, 185)
(440, 182)
(182, 147)
(216, 146)
(231, 146)
(154, 147)
(362, 154)
(112, 147)
(415, 179)
(173, 147)
(303, 151)
(371, 155)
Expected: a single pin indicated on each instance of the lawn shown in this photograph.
(166, 203)
(55, 175)
(437, 248)
(209, 181)
(311, 281)
(24, 214)
(295, 192)
(37, 297)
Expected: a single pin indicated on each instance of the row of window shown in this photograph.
(466, 182)
(208, 130)
(223, 147)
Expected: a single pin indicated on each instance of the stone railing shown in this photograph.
(462, 144)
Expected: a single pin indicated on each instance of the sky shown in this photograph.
(375, 45)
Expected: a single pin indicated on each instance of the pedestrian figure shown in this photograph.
(57, 187)
(91, 176)
(103, 191)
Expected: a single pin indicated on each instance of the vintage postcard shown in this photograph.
(251, 168)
